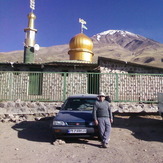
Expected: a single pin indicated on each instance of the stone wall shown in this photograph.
(76, 83)
(18, 110)
(22, 111)
(133, 82)
(48, 86)
(125, 87)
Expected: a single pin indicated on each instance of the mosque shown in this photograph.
(96, 76)
(80, 56)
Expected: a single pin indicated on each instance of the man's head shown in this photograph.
(101, 96)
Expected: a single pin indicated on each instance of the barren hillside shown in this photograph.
(114, 44)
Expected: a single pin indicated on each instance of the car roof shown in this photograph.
(83, 96)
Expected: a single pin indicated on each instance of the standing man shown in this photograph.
(103, 118)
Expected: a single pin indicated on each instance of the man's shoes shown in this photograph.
(104, 145)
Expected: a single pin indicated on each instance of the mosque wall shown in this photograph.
(133, 82)
(142, 87)
(115, 79)
(49, 84)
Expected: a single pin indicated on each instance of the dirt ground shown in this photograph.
(134, 139)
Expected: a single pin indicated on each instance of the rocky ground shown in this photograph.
(134, 138)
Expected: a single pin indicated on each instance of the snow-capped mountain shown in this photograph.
(125, 39)
(115, 32)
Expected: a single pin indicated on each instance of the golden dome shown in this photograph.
(81, 41)
(81, 48)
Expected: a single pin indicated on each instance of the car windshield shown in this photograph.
(79, 104)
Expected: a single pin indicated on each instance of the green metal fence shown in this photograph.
(57, 86)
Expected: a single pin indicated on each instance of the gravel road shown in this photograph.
(134, 139)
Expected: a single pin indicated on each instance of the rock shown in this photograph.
(2, 105)
(17, 105)
(41, 109)
(59, 142)
(38, 118)
(121, 106)
(29, 117)
(5, 120)
(10, 104)
(18, 101)
(23, 104)
(31, 105)
(2, 116)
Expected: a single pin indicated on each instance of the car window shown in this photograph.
(79, 104)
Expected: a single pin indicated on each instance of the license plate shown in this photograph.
(74, 131)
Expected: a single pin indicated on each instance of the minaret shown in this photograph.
(30, 31)
(81, 46)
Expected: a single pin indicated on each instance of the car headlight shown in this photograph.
(59, 123)
(91, 124)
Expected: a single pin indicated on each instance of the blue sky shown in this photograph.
(57, 20)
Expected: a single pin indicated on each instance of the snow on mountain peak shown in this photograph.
(112, 32)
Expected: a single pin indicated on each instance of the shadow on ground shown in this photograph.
(143, 127)
(38, 131)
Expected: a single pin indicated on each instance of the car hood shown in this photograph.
(74, 116)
